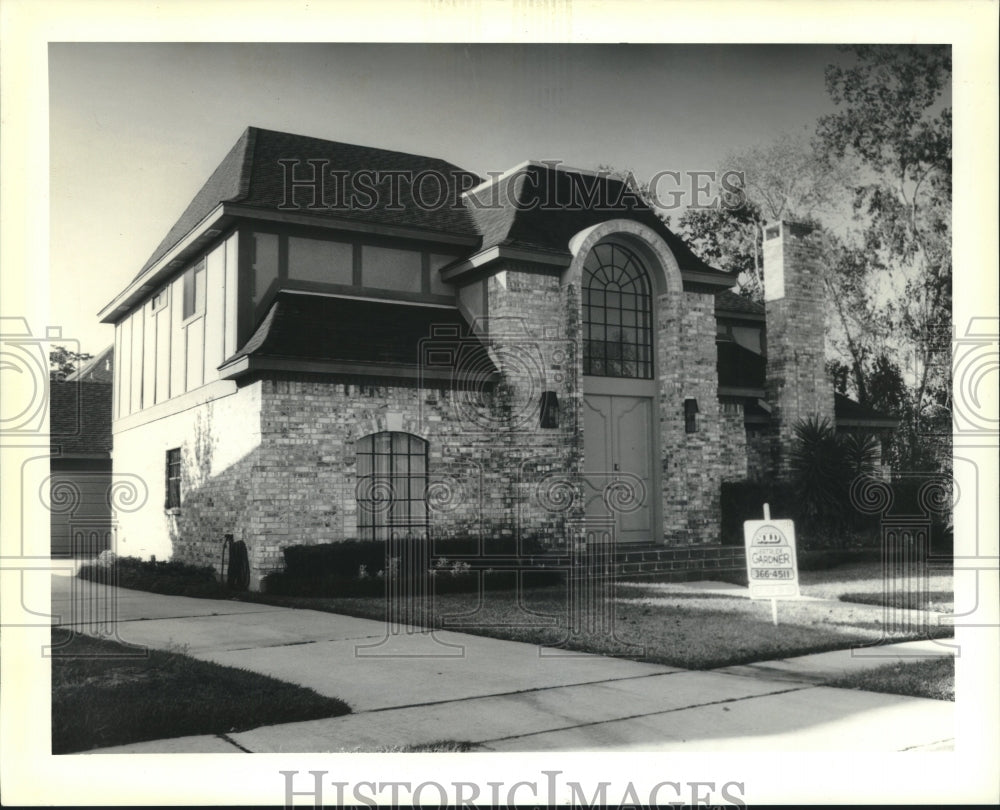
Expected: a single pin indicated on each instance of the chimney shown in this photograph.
(796, 380)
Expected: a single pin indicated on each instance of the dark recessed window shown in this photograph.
(173, 478)
(392, 486)
(617, 315)
(194, 291)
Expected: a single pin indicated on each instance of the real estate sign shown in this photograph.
(772, 570)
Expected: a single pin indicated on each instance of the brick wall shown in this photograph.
(797, 383)
(220, 450)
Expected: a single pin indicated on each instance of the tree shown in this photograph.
(63, 362)
(784, 179)
(895, 123)
(730, 239)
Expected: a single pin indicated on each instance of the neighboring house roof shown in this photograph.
(80, 418)
(312, 333)
(849, 413)
(252, 176)
(730, 303)
(742, 373)
(100, 368)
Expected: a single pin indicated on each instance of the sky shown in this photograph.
(136, 128)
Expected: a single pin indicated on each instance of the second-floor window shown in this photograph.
(194, 291)
(617, 315)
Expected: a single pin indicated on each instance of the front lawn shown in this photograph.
(104, 694)
(928, 678)
(647, 622)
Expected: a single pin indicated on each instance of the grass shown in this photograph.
(928, 678)
(652, 621)
(437, 747)
(104, 694)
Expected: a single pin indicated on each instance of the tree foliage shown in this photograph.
(63, 362)
(895, 287)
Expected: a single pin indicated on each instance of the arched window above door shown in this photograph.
(617, 314)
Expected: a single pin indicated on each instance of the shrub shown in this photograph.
(361, 567)
(167, 577)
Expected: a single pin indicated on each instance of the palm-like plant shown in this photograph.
(819, 469)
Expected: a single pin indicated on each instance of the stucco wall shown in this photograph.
(220, 445)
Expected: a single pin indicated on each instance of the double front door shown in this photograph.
(619, 463)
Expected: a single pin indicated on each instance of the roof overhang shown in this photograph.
(333, 223)
(250, 364)
(729, 315)
(698, 281)
(225, 216)
(735, 391)
(867, 422)
(485, 257)
(197, 239)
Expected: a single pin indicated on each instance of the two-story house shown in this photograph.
(337, 341)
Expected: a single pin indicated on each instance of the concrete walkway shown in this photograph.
(414, 687)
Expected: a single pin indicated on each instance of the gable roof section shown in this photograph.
(330, 335)
(100, 368)
(80, 418)
(849, 413)
(540, 207)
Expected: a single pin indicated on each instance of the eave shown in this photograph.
(197, 240)
(246, 365)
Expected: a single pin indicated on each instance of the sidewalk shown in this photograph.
(419, 687)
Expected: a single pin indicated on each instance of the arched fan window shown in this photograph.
(617, 315)
(392, 486)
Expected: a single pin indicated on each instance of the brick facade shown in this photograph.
(797, 384)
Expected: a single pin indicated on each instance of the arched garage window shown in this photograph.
(617, 315)
(392, 485)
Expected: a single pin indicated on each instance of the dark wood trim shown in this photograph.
(373, 293)
(249, 365)
(331, 223)
(244, 283)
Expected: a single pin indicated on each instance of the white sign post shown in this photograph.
(772, 569)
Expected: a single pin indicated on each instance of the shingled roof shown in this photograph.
(80, 418)
(251, 175)
(99, 368)
(730, 303)
(541, 206)
(500, 213)
(350, 336)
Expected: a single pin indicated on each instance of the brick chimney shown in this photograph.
(796, 382)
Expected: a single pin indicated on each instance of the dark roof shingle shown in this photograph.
(376, 188)
(80, 418)
(372, 334)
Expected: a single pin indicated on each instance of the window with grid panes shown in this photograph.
(392, 486)
(617, 315)
(173, 499)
